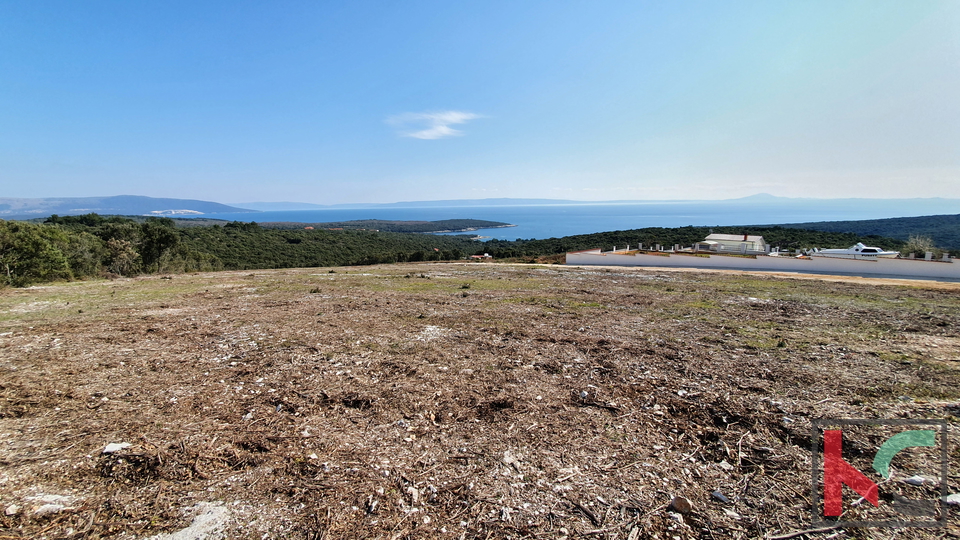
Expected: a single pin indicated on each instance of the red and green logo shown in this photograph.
(898, 468)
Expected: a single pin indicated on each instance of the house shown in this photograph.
(733, 243)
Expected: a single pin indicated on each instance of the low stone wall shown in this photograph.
(903, 268)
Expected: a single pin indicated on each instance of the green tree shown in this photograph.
(85, 254)
(29, 254)
(919, 246)
(124, 259)
(156, 238)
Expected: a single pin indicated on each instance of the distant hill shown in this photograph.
(944, 230)
(12, 208)
(815, 207)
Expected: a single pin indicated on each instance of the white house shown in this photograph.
(733, 243)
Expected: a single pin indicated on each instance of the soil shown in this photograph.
(461, 400)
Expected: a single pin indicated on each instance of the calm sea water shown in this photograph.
(566, 220)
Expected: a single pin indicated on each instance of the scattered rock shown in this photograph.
(681, 505)
(730, 513)
(115, 447)
(953, 498)
(915, 480)
(720, 497)
(61, 500)
(48, 509)
(207, 524)
(12, 510)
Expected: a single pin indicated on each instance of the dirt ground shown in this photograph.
(460, 400)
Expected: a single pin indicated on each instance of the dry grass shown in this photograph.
(451, 400)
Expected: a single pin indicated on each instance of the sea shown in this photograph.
(554, 221)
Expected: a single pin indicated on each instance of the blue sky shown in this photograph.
(358, 101)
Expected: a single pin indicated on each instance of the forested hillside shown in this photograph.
(943, 231)
(71, 247)
(247, 245)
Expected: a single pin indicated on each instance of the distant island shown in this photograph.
(373, 225)
(21, 208)
(440, 226)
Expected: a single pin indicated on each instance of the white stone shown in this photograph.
(731, 513)
(115, 447)
(208, 524)
(914, 480)
(49, 498)
(48, 509)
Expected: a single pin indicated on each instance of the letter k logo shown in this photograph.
(836, 472)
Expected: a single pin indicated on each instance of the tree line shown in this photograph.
(941, 231)
(76, 247)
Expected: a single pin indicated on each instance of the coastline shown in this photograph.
(469, 229)
(397, 226)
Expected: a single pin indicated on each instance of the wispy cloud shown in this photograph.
(433, 125)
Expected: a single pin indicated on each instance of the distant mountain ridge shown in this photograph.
(914, 206)
(22, 208)
(18, 208)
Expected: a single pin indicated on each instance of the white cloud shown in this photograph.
(434, 125)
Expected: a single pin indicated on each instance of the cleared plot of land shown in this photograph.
(451, 400)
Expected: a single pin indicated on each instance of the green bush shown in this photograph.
(31, 254)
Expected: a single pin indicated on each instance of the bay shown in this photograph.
(549, 221)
